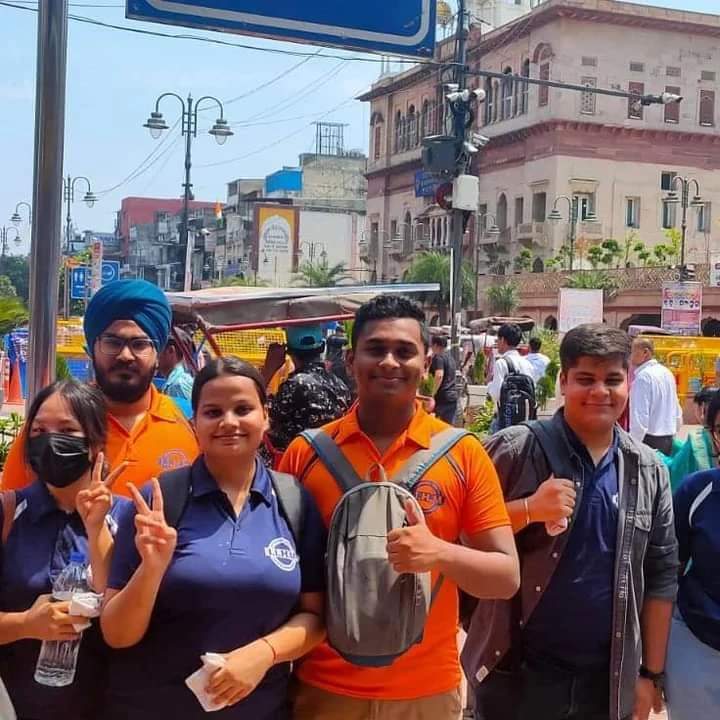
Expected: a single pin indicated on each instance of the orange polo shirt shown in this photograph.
(163, 440)
(452, 505)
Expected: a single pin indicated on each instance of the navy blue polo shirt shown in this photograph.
(39, 546)
(231, 581)
(697, 524)
(572, 623)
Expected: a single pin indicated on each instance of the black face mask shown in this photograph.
(59, 459)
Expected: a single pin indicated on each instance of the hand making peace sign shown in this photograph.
(94, 503)
(155, 540)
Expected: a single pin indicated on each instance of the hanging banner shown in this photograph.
(579, 307)
(682, 307)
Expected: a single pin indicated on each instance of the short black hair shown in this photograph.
(712, 411)
(389, 307)
(86, 403)
(704, 396)
(227, 366)
(596, 341)
(510, 333)
(535, 344)
(440, 341)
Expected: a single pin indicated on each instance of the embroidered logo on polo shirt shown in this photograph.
(429, 496)
(173, 459)
(282, 553)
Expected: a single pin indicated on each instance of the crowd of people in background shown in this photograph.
(208, 514)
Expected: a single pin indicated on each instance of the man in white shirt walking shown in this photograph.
(508, 338)
(538, 361)
(655, 413)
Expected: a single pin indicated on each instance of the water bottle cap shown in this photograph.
(76, 556)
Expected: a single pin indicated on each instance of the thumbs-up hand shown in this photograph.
(413, 548)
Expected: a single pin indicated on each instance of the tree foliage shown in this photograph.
(503, 299)
(434, 267)
(320, 274)
(13, 314)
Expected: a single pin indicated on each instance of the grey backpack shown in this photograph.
(373, 613)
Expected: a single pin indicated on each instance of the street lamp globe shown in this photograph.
(591, 217)
(697, 201)
(15, 218)
(156, 124)
(555, 215)
(493, 230)
(90, 198)
(221, 131)
(672, 198)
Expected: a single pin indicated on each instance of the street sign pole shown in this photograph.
(458, 216)
(47, 192)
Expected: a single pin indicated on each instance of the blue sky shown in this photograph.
(114, 78)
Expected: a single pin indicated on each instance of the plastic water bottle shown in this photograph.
(58, 658)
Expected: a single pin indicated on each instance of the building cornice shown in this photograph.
(597, 11)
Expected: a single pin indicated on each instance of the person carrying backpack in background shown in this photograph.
(387, 434)
(512, 388)
(218, 566)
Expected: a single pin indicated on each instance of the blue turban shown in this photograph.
(136, 300)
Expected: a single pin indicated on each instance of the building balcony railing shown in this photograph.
(532, 231)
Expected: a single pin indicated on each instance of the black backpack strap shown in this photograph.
(333, 458)
(512, 370)
(291, 502)
(175, 487)
(557, 457)
(9, 505)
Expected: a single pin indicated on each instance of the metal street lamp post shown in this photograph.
(573, 208)
(672, 198)
(16, 218)
(69, 196)
(4, 240)
(220, 131)
(311, 247)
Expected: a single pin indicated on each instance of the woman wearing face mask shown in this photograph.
(65, 509)
(230, 578)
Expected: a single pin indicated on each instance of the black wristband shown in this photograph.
(657, 679)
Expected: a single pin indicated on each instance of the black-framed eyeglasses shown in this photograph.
(114, 345)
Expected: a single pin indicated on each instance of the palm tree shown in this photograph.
(435, 267)
(503, 299)
(312, 274)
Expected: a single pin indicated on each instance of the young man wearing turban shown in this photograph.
(127, 323)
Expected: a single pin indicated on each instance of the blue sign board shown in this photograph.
(426, 184)
(79, 277)
(399, 27)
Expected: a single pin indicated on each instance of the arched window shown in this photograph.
(412, 128)
(542, 56)
(507, 94)
(376, 125)
(398, 131)
(407, 234)
(425, 120)
(501, 214)
(538, 265)
(489, 101)
(525, 89)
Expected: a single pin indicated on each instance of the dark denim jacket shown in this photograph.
(646, 564)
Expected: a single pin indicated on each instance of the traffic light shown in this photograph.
(440, 154)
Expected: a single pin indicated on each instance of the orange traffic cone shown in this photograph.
(15, 396)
